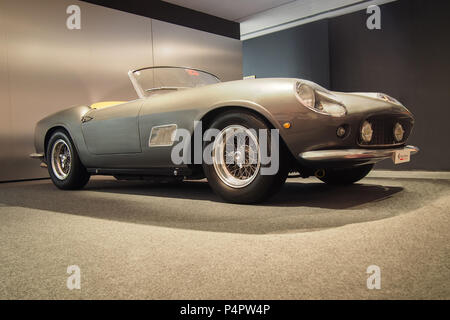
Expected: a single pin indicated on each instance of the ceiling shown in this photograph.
(233, 10)
(259, 17)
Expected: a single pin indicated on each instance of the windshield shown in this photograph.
(155, 80)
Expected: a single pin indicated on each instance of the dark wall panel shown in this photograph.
(408, 59)
(300, 52)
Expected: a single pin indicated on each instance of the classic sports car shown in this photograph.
(337, 137)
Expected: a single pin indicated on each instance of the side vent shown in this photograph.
(163, 136)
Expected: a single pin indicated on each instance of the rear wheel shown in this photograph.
(236, 172)
(64, 166)
(345, 176)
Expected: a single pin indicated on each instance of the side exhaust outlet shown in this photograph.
(320, 173)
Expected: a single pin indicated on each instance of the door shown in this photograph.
(113, 130)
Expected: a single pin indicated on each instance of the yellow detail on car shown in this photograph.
(105, 104)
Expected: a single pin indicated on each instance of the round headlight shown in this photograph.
(306, 95)
(399, 132)
(366, 132)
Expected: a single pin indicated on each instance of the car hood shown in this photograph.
(355, 102)
(363, 102)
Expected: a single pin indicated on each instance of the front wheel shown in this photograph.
(345, 176)
(64, 166)
(235, 171)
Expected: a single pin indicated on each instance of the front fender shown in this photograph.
(253, 106)
(70, 120)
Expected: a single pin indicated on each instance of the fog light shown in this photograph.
(399, 132)
(366, 132)
(341, 132)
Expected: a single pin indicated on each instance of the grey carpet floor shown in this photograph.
(135, 240)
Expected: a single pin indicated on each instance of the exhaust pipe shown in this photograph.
(320, 173)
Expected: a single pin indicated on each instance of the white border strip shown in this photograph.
(434, 175)
(281, 18)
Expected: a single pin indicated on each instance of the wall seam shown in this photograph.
(330, 78)
(152, 34)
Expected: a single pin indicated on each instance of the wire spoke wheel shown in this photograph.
(61, 159)
(236, 156)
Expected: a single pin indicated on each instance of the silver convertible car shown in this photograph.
(246, 137)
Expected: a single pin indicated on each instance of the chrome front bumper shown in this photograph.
(373, 155)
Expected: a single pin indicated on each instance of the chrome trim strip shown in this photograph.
(353, 154)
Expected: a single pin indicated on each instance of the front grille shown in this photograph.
(383, 130)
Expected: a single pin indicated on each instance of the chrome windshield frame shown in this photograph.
(141, 92)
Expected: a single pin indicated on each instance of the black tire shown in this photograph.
(262, 186)
(78, 176)
(346, 176)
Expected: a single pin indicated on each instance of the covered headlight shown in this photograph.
(319, 101)
(387, 98)
(306, 95)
